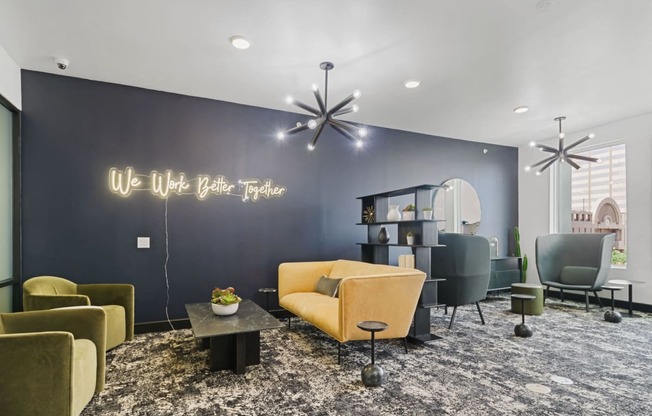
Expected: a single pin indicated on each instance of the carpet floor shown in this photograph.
(575, 364)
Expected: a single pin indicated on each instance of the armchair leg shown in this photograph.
(405, 344)
(450, 325)
(480, 312)
(545, 295)
(445, 309)
(561, 294)
(586, 299)
(598, 298)
(289, 319)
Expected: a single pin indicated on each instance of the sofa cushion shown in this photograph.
(321, 311)
(327, 286)
(578, 275)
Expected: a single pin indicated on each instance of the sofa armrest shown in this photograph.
(389, 298)
(83, 322)
(301, 276)
(113, 294)
(36, 373)
(42, 302)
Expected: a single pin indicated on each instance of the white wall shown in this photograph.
(10, 79)
(534, 200)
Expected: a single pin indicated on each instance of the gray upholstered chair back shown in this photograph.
(556, 251)
(465, 264)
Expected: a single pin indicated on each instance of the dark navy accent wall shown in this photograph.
(74, 131)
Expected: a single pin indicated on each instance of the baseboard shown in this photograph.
(606, 301)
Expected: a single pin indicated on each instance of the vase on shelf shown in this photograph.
(408, 215)
(427, 214)
(410, 239)
(383, 236)
(393, 214)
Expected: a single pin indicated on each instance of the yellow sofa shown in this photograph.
(367, 292)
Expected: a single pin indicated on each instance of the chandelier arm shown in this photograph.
(320, 102)
(580, 141)
(345, 125)
(546, 166)
(546, 160)
(573, 164)
(346, 110)
(580, 157)
(307, 107)
(315, 136)
(545, 148)
(341, 104)
(343, 132)
(296, 129)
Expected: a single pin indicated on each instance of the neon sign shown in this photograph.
(125, 182)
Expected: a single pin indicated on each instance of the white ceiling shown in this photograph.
(590, 60)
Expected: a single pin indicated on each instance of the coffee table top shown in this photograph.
(249, 318)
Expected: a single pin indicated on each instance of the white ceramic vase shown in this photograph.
(224, 310)
(393, 214)
(410, 239)
(427, 215)
(408, 215)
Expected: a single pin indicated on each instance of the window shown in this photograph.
(599, 198)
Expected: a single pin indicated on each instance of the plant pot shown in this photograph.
(408, 215)
(410, 239)
(427, 215)
(224, 310)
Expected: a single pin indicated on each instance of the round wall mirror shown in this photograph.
(457, 203)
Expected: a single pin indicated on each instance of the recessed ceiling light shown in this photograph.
(239, 42)
(519, 110)
(412, 83)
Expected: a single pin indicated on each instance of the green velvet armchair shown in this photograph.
(117, 300)
(53, 362)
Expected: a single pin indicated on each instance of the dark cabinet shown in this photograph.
(504, 272)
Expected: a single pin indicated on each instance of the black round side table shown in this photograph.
(373, 375)
(612, 315)
(522, 329)
(267, 291)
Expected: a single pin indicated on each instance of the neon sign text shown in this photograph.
(124, 182)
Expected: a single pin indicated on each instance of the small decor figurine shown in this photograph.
(408, 212)
(224, 301)
(368, 215)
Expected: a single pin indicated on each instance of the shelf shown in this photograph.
(404, 191)
(397, 222)
(399, 245)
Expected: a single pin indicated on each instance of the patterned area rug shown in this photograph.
(473, 370)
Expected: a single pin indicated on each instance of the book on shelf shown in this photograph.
(406, 260)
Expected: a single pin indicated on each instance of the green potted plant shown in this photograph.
(224, 301)
(408, 212)
(409, 236)
(427, 213)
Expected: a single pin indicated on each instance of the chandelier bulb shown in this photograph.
(280, 135)
(359, 144)
(598, 161)
(562, 135)
(311, 147)
(315, 87)
(538, 173)
(533, 143)
(289, 99)
(298, 124)
(357, 93)
(355, 108)
(591, 136)
(362, 132)
(528, 168)
(312, 124)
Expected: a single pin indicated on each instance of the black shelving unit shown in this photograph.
(425, 239)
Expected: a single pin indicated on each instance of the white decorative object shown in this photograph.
(410, 239)
(224, 310)
(408, 215)
(427, 214)
(393, 214)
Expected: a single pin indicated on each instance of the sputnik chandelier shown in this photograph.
(324, 116)
(561, 153)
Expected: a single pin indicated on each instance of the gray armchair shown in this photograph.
(117, 300)
(466, 265)
(53, 361)
(574, 262)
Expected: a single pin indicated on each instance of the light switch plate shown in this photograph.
(142, 242)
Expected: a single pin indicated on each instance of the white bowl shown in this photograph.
(223, 310)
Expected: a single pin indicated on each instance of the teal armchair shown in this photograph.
(574, 262)
(49, 292)
(53, 361)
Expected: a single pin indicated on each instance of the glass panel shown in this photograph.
(599, 198)
(6, 188)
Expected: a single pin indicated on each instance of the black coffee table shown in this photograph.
(234, 340)
(630, 283)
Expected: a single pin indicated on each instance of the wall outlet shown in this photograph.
(142, 242)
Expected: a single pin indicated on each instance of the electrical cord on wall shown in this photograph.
(165, 265)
